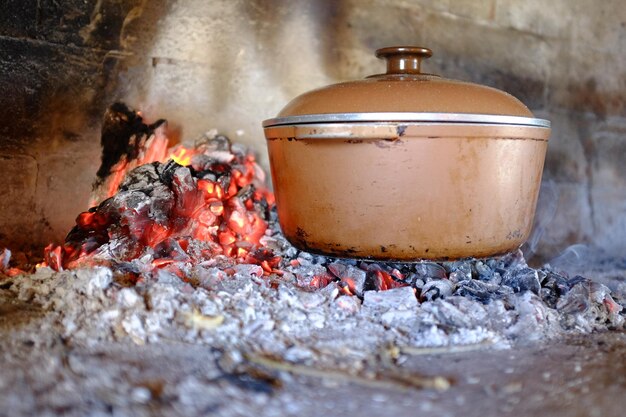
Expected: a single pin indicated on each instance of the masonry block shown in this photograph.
(17, 199)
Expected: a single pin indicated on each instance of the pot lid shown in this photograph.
(405, 93)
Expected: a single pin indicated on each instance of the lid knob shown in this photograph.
(404, 59)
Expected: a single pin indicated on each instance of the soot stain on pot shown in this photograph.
(330, 249)
(301, 233)
(387, 143)
(516, 234)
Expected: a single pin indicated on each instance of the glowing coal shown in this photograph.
(217, 205)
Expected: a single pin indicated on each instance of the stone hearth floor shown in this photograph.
(46, 373)
(583, 375)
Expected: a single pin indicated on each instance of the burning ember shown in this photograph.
(203, 202)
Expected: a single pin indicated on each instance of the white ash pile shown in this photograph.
(246, 311)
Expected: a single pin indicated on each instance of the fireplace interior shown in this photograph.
(172, 289)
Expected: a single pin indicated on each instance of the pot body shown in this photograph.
(406, 191)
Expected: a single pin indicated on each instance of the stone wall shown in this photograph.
(229, 64)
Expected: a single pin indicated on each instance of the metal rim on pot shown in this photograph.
(407, 117)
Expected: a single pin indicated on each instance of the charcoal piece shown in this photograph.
(414, 280)
(218, 169)
(122, 133)
(245, 193)
(162, 202)
(223, 158)
(588, 304)
(224, 181)
(214, 162)
(306, 258)
(248, 270)
(496, 278)
(541, 276)
(206, 175)
(553, 286)
(239, 149)
(166, 171)
(600, 293)
(452, 266)
(372, 281)
(377, 279)
(171, 249)
(126, 203)
(483, 272)
(462, 270)
(312, 277)
(436, 288)
(448, 314)
(143, 177)
(127, 267)
(524, 279)
(511, 260)
(182, 181)
(131, 208)
(576, 280)
(385, 268)
(577, 300)
(351, 276)
(94, 234)
(549, 296)
(201, 163)
(262, 207)
(402, 298)
(120, 247)
(212, 143)
(482, 291)
(458, 276)
(430, 270)
(530, 313)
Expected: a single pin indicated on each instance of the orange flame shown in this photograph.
(181, 157)
(205, 211)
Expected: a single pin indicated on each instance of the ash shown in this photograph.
(497, 301)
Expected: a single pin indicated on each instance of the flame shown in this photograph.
(222, 213)
(346, 290)
(182, 156)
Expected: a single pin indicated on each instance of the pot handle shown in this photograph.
(404, 59)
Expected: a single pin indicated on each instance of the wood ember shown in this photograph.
(177, 215)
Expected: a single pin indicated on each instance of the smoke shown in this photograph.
(574, 258)
(547, 205)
